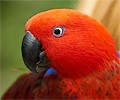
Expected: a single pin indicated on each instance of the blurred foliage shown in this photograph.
(14, 15)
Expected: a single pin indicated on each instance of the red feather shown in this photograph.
(100, 85)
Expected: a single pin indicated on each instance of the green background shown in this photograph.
(14, 15)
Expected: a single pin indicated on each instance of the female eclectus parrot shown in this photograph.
(80, 52)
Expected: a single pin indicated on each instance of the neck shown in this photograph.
(90, 71)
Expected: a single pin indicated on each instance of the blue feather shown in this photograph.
(50, 71)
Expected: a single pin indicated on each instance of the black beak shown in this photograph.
(33, 54)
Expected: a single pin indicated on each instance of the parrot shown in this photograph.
(70, 55)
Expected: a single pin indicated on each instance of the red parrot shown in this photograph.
(78, 48)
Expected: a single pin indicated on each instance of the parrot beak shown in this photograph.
(33, 54)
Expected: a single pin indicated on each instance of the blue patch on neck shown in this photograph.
(50, 71)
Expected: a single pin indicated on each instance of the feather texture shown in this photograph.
(99, 85)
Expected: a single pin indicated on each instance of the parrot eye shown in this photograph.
(58, 31)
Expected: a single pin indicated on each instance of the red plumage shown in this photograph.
(32, 86)
(84, 57)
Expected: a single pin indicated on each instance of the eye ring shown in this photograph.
(58, 31)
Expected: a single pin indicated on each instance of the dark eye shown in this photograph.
(58, 31)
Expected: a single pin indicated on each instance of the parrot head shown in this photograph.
(72, 43)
